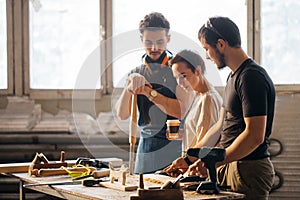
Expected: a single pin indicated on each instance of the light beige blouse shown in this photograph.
(203, 113)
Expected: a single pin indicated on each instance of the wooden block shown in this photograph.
(120, 174)
(223, 195)
(118, 186)
(100, 173)
(163, 194)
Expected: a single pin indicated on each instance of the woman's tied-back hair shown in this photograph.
(154, 21)
(191, 58)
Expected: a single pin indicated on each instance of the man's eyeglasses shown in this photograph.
(209, 26)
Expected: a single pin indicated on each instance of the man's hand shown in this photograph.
(179, 166)
(136, 84)
(197, 169)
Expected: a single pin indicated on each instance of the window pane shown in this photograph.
(185, 21)
(63, 36)
(3, 46)
(280, 40)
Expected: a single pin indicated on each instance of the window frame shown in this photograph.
(254, 42)
(18, 51)
(10, 49)
(22, 86)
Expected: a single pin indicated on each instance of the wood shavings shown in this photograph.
(154, 181)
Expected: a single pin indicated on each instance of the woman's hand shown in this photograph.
(179, 166)
(197, 169)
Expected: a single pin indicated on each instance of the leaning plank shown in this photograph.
(23, 167)
(14, 167)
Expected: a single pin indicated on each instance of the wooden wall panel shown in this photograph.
(286, 128)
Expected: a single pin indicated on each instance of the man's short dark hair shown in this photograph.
(220, 28)
(154, 21)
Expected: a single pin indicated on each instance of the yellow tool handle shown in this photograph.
(54, 172)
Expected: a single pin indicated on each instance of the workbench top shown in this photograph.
(79, 191)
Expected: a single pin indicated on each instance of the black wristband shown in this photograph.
(193, 152)
(187, 160)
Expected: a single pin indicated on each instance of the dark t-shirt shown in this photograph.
(249, 92)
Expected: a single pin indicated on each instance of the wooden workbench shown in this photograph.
(96, 192)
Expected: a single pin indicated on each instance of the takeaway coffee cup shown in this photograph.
(173, 132)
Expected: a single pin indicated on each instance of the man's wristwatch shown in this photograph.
(152, 95)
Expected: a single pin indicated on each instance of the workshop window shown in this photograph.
(3, 46)
(185, 21)
(45, 45)
(280, 40)
(64, 38)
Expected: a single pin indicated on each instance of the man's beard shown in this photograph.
(221, 60)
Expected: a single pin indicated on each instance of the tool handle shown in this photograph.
(54, 172)
(43, 158)
(141, 181)
(167, 185)
(100, 173)
(133, 124)
(132, 134)
(90, 183)
(62, 156)
(212, 172)
(51, 172)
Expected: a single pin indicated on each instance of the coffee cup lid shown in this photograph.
(172, 121)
